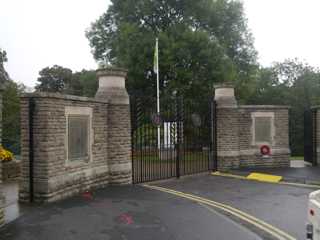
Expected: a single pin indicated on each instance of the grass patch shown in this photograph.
(295, 158)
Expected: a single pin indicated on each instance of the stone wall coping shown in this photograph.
(316, 107)
(224, 85)
(112, 71)
(62, 96)
(264, 107)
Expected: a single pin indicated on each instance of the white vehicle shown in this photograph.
(313, 226)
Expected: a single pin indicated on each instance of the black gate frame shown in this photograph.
(310, 136)
(145, 168)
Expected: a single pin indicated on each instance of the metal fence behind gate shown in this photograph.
(187, 138)
(310, 136)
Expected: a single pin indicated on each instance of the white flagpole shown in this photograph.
(158, 91)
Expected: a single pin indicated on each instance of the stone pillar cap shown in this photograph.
(224, 85)
(224, 95)
(112, 71)
(112, 85)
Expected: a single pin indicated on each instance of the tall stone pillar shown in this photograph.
(1, 186)
(227, 127)
(112, 88)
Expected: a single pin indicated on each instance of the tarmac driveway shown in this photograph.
(131, 212)
(282, 206)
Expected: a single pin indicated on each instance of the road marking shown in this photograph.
(264, 177)
(312, 186)
(228, 175)
(237, 224)
(279, 234)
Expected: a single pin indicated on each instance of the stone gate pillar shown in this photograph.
(112, 88)
(227, 127)
(1, 186)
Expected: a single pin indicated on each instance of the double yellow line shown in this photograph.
(275, 232)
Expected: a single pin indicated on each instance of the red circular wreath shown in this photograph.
(265, 150)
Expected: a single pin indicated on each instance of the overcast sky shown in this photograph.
(41, 33)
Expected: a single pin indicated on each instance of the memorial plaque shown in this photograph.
(78, 133)
(263, 129)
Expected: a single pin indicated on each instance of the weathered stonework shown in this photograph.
(112, 88)
(250, 155)
(1, 187)
(11, 170)
(227, 138)
(119, 144)
(235, 145)
(55, 177)
(227, 128)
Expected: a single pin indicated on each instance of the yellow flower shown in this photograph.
(5, 155)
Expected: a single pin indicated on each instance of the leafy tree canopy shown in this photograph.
(291, 83)
(54, 79)
(63, 80)
(200, 43)
(3, 74)
(11, 116)
(84, 83)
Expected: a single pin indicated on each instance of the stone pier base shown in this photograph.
(240, 134)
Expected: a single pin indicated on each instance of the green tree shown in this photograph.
(11, 108)
(63, 80)
(291, 83)
(84, 83)
(201, 43)
(54, 79)
(3, 74)
(11, 116)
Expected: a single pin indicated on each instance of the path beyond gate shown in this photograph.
(187, 133)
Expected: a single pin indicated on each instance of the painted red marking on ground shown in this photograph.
(126, 218)
(87, 196)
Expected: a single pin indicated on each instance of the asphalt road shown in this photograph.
(131, 212)
(282, 206)
(138, 213)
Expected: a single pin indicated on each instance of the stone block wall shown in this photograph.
(11, 170)
(227, 138)
(112, 88)
(235, 145)
(54, 176)
(119, 144)
(250, 155)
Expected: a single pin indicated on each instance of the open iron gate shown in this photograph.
(187, 133)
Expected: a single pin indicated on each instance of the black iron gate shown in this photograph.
(180, 141)
(310, 138)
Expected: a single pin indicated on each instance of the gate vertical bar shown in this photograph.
(178, 119)
(290, 130)
(314, 137)
(132, 108)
